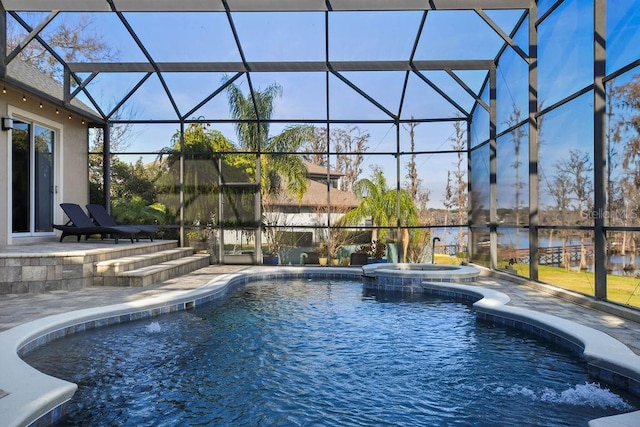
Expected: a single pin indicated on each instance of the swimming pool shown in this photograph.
(324, 352)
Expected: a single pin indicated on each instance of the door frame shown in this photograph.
(57, 128)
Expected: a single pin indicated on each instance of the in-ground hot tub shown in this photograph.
(409, 277)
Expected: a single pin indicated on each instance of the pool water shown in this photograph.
(322, 353)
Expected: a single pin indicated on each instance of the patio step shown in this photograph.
(152, 266)
(53, 266)
(162, 271)
(113, 267)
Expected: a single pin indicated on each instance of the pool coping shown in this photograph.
(35, 398)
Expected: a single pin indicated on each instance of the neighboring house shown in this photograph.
(43, 154)
(286, 210)
(315, 199)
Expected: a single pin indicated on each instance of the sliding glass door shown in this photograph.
(32, 160)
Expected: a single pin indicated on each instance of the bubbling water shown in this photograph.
(153, 328)
(587, 394)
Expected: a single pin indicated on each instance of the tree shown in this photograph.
(72, 40)
(615, 127)
(456, 188)
(414, 184)
(517, 136)
(203, 149)
(131, 181)
(577, 170)
(281, 168)
(119, 136)
(628, 97)
(379, 203)
(348, 144)
(625, 133)
(316, 149)
(559, 189)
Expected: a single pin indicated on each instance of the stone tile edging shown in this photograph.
(406, 273)
(35, 397)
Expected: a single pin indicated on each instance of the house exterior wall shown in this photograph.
(70, 156)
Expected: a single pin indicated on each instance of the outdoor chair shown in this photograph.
(81, 225)
(102, 217)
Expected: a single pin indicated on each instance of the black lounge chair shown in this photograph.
(81, 225)
(101, 217)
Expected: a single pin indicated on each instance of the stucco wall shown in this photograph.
(75, 169)
(70, 152)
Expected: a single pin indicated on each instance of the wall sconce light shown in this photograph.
(24, 98)
(7, 123)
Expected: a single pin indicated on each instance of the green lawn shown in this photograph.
(625, 290)
(446, 259)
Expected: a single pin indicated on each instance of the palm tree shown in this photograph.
(201, 148)
(277, 168)
(380, 203)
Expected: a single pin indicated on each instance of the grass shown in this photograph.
(620, 289)
(447, 259)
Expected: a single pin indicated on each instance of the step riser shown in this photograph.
(117, 266)
(161, 276)
(154, 273)
(125, 249)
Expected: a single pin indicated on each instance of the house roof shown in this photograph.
(32, 79)
(321, 171)
(316, 195)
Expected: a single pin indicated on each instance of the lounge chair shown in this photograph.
(81, 225)
(101, 217)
